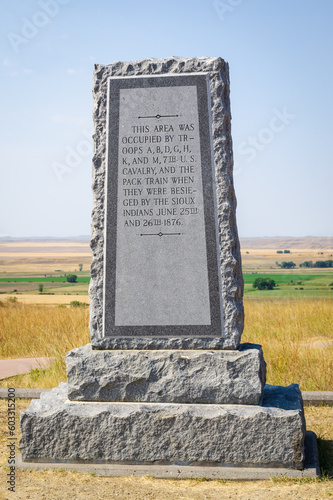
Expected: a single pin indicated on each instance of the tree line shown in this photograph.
(307, 263)
(318, 263)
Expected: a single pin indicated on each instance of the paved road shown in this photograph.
(12, 367)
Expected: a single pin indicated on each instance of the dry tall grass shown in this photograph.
(296, 337)
(28, 330)
(297, 340)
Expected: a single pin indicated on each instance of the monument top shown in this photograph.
(166, 266)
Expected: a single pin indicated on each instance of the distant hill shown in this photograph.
(44, 239)
(288, 242)
(276, 242)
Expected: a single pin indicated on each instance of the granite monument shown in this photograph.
(165, 380)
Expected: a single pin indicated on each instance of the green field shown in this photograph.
(283, 278)
(52, 285)
(40, 279)
(291, 285)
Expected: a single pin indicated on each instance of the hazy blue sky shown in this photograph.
(281, 71)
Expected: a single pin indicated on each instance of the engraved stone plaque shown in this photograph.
(161, 271)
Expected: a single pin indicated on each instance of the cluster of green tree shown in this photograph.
(286, 265)
(264, 284)
(76, 303)
(319, 263)
(307, 263)
(284, 251)
(71, 278)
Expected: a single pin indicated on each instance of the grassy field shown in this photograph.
(46, 299)
(297, 340)
(294, 327)
(292, 285)
(52, 285)
(265, 256)
(288, 285)
(292, 322)
(43, 280)
(24, 265)
(296, 336)
(53, 330)
(37, 258)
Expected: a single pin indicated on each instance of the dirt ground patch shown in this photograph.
(65, 485)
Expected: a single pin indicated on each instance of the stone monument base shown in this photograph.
(311, 468)
(271, 435)
(167, 376)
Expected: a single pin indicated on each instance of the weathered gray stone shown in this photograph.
(153, 343)
(219, 377)
(272, 435)
(230, 262)
(311, 468)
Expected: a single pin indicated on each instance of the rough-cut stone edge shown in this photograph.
(153, 343)
(316, 398)
(279, 403)
(233, 376)
(311, 468)
(230, 258)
